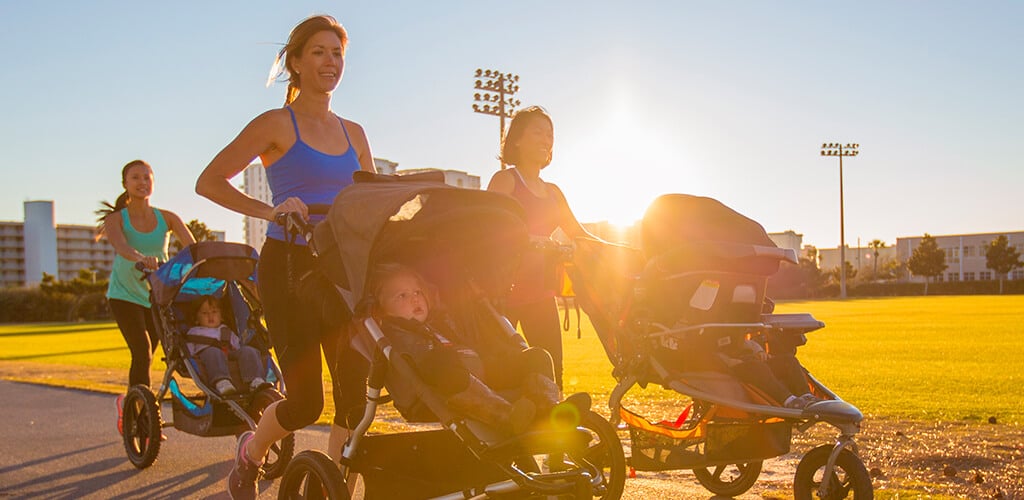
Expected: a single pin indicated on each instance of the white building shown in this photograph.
(965, 255)
(788, 239)
(38, 245)
(862, 258)
(255, 185)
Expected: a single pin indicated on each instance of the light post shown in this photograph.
(498, 91)
(836, 149)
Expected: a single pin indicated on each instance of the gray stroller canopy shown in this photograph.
(447, 233)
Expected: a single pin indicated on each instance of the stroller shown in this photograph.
(699, 284)
(467, 243)
(226, 271)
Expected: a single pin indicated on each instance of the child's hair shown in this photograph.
(206, 299)
(387, 271)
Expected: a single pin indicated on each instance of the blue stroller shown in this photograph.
(226, 271)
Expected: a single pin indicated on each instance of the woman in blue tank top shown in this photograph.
(309, 154)
(139, 233)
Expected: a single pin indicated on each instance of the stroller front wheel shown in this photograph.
(605, 453)
(850, 479)
(729, 480)
(141, 425)
(312, 474)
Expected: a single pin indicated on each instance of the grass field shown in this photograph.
(921, 358)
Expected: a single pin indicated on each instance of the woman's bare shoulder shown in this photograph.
(502, 181)
(272, 118)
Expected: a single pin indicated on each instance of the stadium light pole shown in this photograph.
(498, 90)
(840, 150)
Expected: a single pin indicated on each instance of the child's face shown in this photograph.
(208, 315)
(402, 296)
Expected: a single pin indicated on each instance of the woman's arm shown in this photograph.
(568, 221)
(115, 235)
(180, 230)
(357, 136)
(256, 139)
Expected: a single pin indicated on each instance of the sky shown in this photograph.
(729, 99)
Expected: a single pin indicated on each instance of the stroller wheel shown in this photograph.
(312, 474)
(849, 479)
(280, 452)
(605, 453)
(141, 423)
(729, 480)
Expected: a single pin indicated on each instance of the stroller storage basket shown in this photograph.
(659, 447)
(203, 418)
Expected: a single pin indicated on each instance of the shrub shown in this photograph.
(23, 305)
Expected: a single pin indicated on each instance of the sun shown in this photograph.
(614, 172)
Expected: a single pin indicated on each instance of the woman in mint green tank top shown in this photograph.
(139, 233)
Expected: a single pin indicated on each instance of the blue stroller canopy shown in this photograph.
(202, 269)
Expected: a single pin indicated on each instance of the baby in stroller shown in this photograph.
(778, 376)
(456, 371)
(213, 343)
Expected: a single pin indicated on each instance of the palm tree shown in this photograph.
(875, 245)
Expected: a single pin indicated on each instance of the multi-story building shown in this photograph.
(965, 255)
(38, 245)
(788, 239)
(862, 258)
(255, 184)
(12, 254)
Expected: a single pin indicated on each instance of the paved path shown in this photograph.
(62, 443)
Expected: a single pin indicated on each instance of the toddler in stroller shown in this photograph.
(457, 371)
(688, 311)
(467, 244)
(775, 376)
(214, 344)
(218, 279)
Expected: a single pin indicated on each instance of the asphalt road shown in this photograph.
(63, 443)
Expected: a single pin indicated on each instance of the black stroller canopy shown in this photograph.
(447, 233)
(677, 219)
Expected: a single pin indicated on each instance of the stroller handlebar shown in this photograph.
(295, 224)
(141, 266)
(563, 251)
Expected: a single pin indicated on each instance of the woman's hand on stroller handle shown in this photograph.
(297, 219)
(564, 251)
(147, 264)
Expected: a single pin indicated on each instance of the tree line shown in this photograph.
(807, 280)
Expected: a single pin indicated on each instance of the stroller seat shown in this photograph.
(417, 402)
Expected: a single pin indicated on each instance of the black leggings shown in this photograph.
(296, 318)
(136, 325)
(542, 328)
(512, 370)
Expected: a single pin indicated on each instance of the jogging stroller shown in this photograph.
(698, 284)
(226, 271)
(466, 243)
